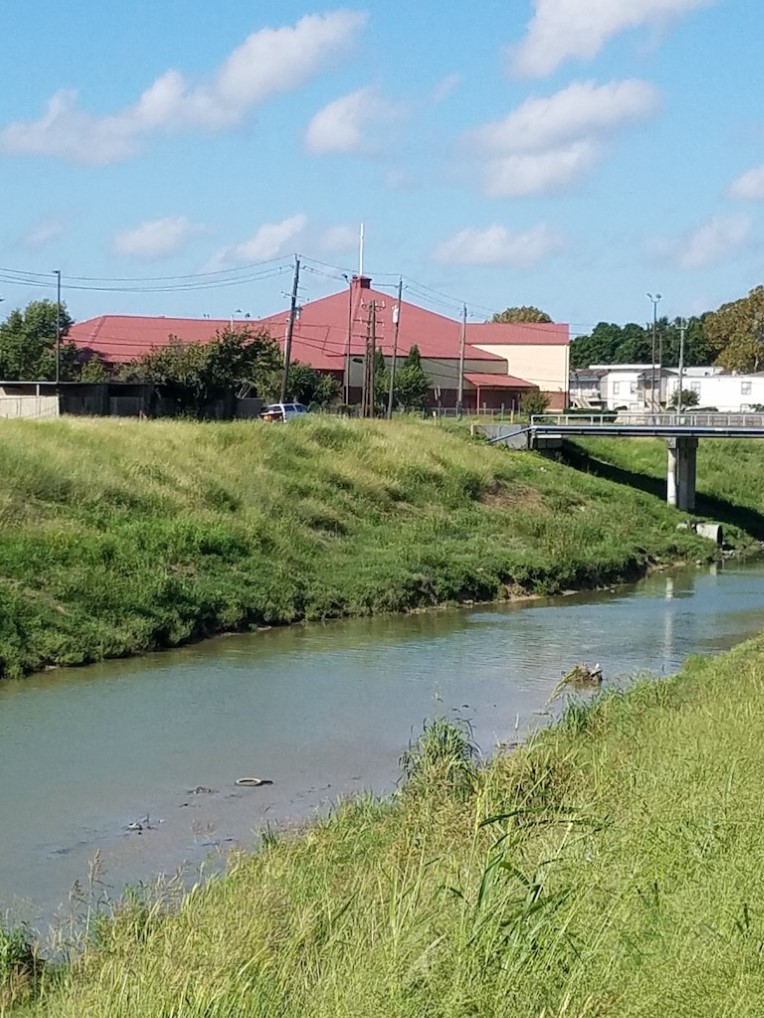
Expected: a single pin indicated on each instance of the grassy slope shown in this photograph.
(620, 876)
(121, 536)
(730, 476)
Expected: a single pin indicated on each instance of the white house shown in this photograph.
(630, 387)
(620, 385)
(727, 392)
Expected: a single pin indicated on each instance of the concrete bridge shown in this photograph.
(682, 431)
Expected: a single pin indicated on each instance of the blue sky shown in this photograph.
(572, 154)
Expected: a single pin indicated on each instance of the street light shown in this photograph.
(654, 298)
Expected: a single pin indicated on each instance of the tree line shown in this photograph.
(731, 337)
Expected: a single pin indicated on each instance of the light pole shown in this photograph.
(654, 298)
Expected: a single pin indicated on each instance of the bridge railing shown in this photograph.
(638, 417)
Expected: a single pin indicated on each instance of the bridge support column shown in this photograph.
(682, 468)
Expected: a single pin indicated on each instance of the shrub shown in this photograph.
(534, 402)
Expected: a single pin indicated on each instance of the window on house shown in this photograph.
(745, 388)
(616, 388)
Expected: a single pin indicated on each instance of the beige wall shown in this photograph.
(443, 373)
(31, 407)
(544, 366)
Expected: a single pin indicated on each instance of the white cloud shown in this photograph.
(749, 185)
(158, 238)
(712, 243)
(495, 245)
(564, 29)
(548, 143)
(583, 109)
(519, 175)
(339, 239)
(43, 233)
(268, 62)
(270, 241)
(350, 123)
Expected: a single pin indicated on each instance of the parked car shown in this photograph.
(282, 411)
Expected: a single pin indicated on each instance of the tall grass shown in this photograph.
(118, 537)
(610, 868)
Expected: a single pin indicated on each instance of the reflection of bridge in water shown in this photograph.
(682, 432)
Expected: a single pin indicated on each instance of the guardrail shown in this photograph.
(684, 420)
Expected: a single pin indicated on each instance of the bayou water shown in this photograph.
(319, 710)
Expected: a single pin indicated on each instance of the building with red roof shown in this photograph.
(501, 361)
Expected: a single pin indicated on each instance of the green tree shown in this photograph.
(689, 398)
(411, 382)
(521, 314)
(196, 375)
(312, 387)
(28, 344)
(735, 333)
(94, 370)
(633, 344)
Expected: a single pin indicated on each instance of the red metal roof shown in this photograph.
(121, 338)
(320, 336)
(518, 333)
(323, 326)
(484, 381)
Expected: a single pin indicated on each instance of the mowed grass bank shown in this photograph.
(610, 868)
(118, 537)
(730, 474)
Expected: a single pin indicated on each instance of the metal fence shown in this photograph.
(687, 420)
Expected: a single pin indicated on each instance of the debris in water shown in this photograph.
(139, 825)
(580, 677)
(253, 782)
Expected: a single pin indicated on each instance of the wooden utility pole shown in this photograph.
(57, 274)
(290, 330)
(367, 399)
(396, 326)
(348, 340)
(462, 345)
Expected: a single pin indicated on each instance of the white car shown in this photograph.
(282, 411)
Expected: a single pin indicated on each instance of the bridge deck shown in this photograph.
(646, 430)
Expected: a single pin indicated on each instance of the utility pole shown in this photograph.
(348, 339)
(290, 330)
(655, 300)
(462, 345)
(367, 399)
(57, 274)
(396, 326)
(682, 330)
